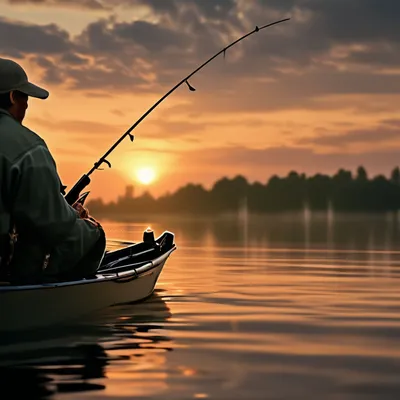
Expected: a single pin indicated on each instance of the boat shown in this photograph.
(125, 275)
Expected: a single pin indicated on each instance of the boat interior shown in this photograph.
(132, 256)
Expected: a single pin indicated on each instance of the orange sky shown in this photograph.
(314, 94)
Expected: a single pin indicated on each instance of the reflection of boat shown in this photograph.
(38, 380)
(125, 275)
(75, 358)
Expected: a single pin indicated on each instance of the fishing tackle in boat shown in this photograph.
(73, 195)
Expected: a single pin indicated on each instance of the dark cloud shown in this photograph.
(356, 21)
(383, 55)
(152, 37)
(99, 39)
(17, 37)
(52, 73)
(329, 47)
(340, 20)
(96, 77)
(73, 59)
(365, 29)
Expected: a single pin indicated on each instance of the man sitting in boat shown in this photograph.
(55, 241)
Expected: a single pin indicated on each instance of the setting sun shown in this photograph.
(146, 175)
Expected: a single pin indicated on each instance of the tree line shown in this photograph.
(343, 191)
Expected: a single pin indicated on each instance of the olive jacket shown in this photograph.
(31, 200)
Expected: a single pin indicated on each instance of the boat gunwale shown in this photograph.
(100, 278)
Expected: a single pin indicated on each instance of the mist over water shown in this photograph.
(290, 306)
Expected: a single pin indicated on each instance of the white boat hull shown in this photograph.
(32, 307)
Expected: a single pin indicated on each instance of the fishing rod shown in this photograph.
(73, 195)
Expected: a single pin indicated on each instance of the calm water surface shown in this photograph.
(280, 307)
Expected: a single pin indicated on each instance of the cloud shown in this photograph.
(378, 135)
(211, 9)
(260, 164)
(84, 4)
(215, 9)
(153, 38)
(18, 38)
(186, 33)
(392, 122)
(166, 128)
(73, 59)
(326, 49)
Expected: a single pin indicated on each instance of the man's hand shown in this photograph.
(82, 211)
(84, 214)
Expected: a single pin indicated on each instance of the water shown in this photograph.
(282, 307)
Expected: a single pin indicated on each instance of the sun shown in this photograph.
(146, 175)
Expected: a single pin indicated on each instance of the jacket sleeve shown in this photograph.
(39, 209)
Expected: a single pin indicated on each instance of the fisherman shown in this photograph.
(42, 237)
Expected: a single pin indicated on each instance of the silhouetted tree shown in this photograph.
(395, 176)
(362, 174)
(227, 194)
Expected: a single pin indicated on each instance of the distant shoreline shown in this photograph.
(342, 192)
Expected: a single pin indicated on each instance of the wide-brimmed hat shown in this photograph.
(13, 77)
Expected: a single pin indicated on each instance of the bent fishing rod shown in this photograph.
(73, 195)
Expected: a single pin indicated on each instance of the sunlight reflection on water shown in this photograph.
(246, 308)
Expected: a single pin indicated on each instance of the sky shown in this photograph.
(314, 94)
